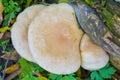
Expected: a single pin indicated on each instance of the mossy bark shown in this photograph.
(109, 10)
(115, 61)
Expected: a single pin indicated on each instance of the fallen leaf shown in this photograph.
(13, 21)
(79, 72)
(5, 36)
(4, 29)
(14, 56)
(13, 75)
(1, 35)
(42, 78)
(12, 68)
(36, 74)
(96, 6)
(1, 11)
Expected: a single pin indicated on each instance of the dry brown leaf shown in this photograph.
(1, 35)
(13, 75)
(12, 68)
(14, 56)
(1, 11)
(37, 74)
(5, 36)
(96, 6)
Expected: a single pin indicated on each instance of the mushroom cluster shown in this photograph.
(50, 36)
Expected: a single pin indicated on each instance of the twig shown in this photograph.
(6, 65)
(13, 75)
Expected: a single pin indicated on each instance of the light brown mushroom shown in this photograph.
(51, 37)
(54, 38)
(19, 33)
(93, 56)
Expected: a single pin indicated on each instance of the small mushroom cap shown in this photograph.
(54, 38)
(19, 33)
(93, 56)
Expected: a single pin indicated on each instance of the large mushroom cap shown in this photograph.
(19, 32)
(93, 56)
(54, 39)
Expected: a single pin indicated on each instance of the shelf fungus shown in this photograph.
(51, 37)
(54, 39)
(19, 33)
(94, 27)
(93, 56)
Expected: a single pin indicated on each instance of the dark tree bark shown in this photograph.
(110, 12)
(51, 1)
